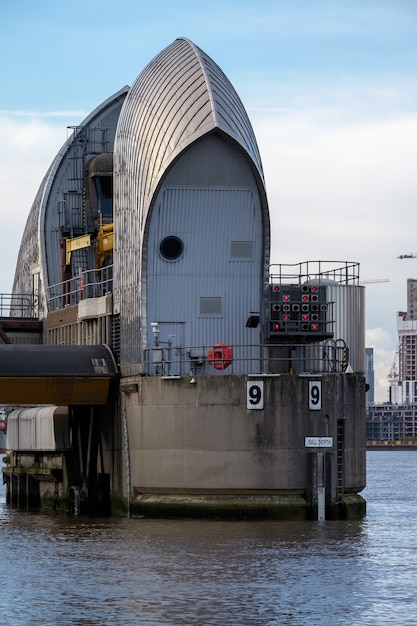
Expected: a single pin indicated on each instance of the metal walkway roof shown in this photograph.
(41, 374)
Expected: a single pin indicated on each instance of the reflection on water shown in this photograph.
(61, 570)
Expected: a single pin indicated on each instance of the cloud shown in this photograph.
(333, 188)
(28, 147)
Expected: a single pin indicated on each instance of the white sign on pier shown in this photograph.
(318, 442)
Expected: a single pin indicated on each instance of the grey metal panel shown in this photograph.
(207, 221)
(212, 161)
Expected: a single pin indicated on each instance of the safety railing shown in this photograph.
(323, 357)
(88, 284)
(19, 305)
(320, 272)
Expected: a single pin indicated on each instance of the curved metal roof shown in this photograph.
(179, 97)
(20, 360)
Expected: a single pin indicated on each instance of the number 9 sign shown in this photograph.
(255, 394)
(314, 395)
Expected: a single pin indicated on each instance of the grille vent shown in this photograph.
(241, 250)
(210, 306)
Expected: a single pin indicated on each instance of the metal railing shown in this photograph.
(88, 284)
(328, 356)
(19, 305)
(339, 272)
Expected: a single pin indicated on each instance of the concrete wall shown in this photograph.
(191, 436)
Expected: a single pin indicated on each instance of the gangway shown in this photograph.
(19, 322)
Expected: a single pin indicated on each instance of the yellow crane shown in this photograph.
(103, 240)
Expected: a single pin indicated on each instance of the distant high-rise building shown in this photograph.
(412, 298)
(407, 353)
(396, 419)
(407, 347)
(369, 375)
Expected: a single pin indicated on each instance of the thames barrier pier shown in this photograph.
(172, 371)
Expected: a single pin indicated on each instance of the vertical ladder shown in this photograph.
(85, 142)
(340, 446)
(115, 337)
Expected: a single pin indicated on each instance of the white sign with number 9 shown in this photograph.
(314, 395)
(255, 394)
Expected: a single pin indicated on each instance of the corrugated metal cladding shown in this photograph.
(181, 97)
(59, 209)
(208, 288)
(349, 313)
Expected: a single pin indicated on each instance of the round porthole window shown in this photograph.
(171, 248)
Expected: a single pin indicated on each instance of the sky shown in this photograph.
(330, 87)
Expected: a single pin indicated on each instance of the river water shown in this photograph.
(61, 570)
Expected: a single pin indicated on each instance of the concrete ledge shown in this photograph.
(244, 507)
(221, 507)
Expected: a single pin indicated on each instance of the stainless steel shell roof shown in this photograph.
(178, 98)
